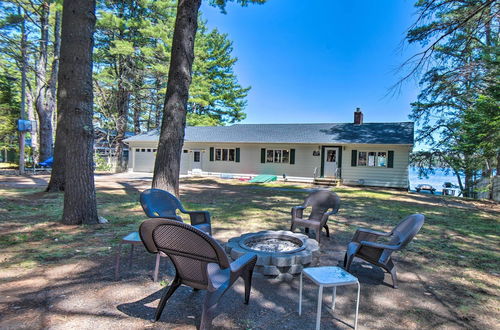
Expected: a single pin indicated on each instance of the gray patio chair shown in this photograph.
(200, 262)
(158, 203)
(364, 244)
(320, 202)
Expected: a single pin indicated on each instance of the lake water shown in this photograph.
(436, 180)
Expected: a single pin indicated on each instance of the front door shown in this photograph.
(330, 159)
(196, 160)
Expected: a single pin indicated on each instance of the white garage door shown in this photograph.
(144, 160)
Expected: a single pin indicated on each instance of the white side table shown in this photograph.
(327, 277)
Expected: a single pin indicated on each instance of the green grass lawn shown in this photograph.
(457, 249)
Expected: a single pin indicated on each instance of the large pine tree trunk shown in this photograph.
(34, 134)
(158, 103)
(57, 178)
(123, 101)
(75, 99)
(24, 68)
(45, 119)
(138, 104)
(168, 158)
(52, 83)
(45, 98)
(45, 135)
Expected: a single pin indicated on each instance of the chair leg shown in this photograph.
(247, 277)
(391, 268)
(318, 234)
(131, 255)
(349, 262)
(292, 227)
(352, 249)
(117, 261)
(327, 230)
(157, 267)
(394, 278)
(209, 306)
(168, 292)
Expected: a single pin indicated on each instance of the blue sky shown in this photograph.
(316, 61)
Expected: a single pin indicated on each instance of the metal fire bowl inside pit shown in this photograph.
(276, 263)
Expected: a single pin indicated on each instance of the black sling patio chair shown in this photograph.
(320, 202)
(158, 203)
(364, 244)
(200, 262)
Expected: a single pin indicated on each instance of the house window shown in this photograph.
(372, 158)
(285, 158)
(137, 150)
(196, 156)
(225, 154)
(149, 150)
(277, 156)
(382, 158)
(143, 150)
(270, 156)
(331, 156)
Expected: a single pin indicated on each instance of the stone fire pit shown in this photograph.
(278, 252)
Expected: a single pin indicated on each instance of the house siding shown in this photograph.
(377, 176)
(305, 162)
(250, 162)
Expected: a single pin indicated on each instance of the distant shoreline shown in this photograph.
(440, 176)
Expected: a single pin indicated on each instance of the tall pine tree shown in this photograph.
(459, 39)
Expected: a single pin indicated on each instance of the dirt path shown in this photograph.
(101, 180)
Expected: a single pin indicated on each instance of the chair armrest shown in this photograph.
(379, 245)
(237, 266)
(331, 212)
(297, 212)
(178, 218)
(198, 217)
(362, 234)
(374, 232)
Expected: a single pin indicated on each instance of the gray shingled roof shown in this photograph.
(342, 133)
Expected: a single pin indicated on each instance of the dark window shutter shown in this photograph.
(262, 155)
(354, 157)
(237, 155)
(292, 156)
(390, 159)
(211, 154)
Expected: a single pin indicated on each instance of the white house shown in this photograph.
(374, 154)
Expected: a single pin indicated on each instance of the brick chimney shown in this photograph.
(358, 117)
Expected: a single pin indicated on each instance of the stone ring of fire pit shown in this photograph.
(278, 252)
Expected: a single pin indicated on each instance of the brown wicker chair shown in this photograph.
(320, 202)
(200, 262)
(364, 245)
